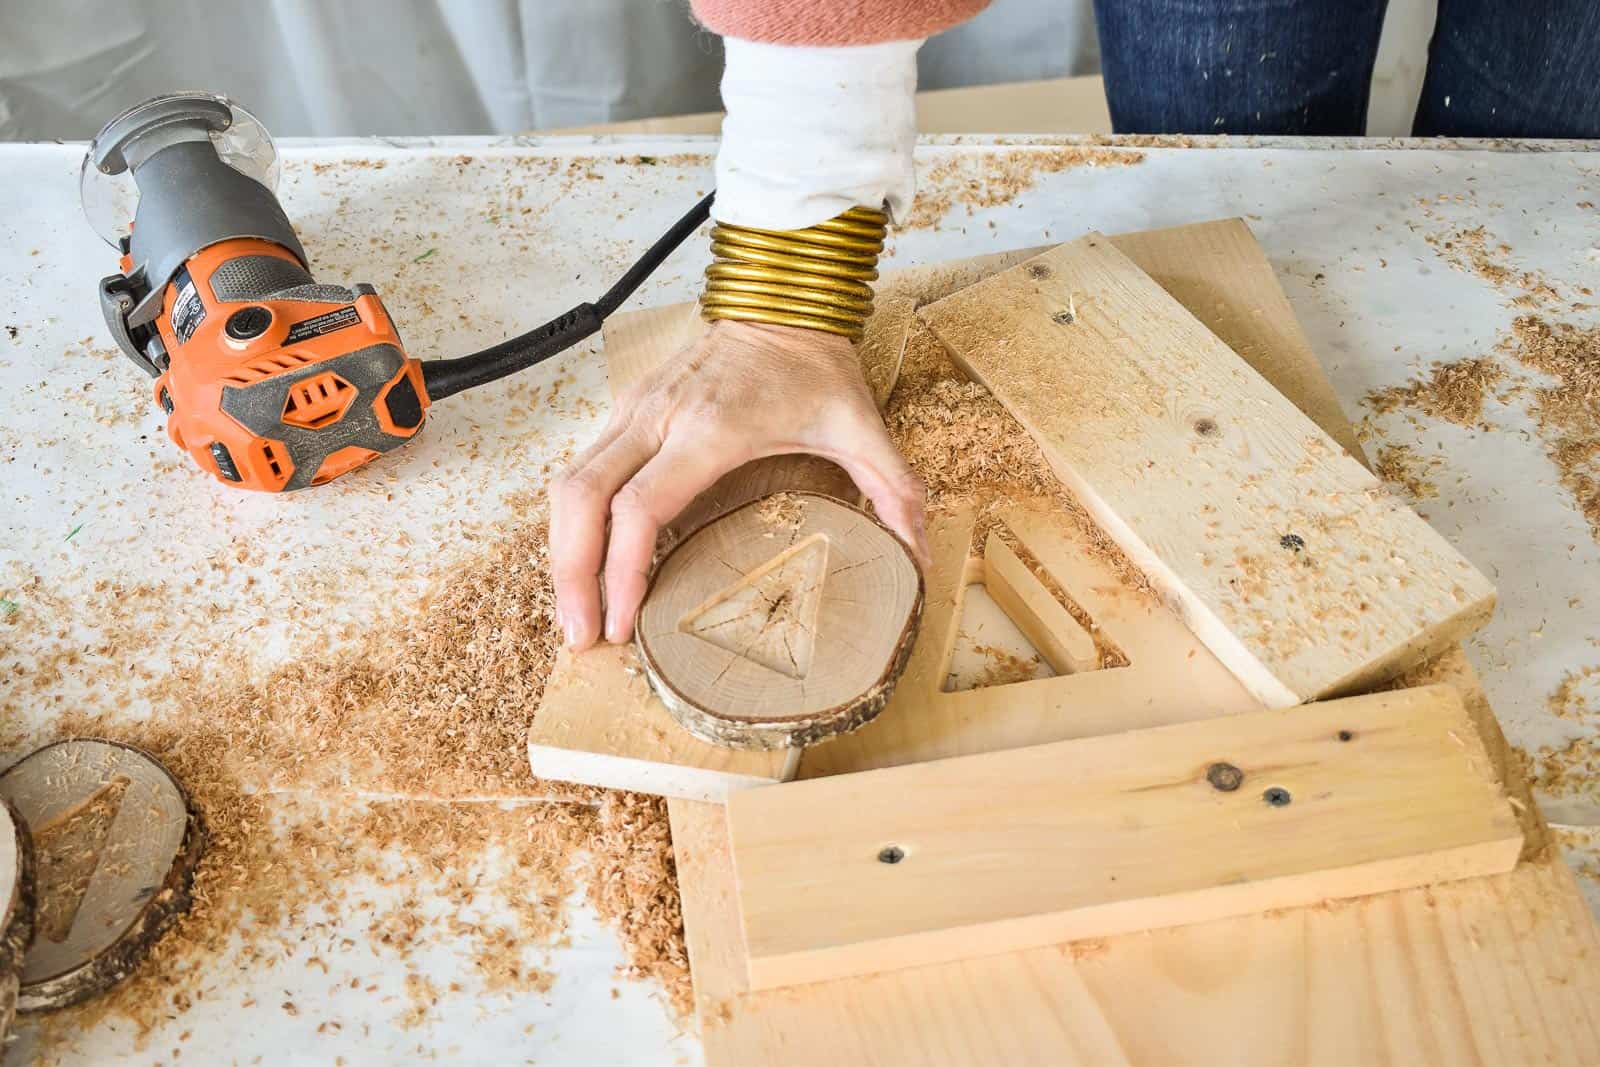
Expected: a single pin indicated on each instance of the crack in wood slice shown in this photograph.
(808, 640)
(115, 857)
(769, 616)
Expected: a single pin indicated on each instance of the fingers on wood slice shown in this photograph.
(16, 909)
(782, 623)
(115, 844)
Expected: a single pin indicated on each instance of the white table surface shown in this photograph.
(81, 447)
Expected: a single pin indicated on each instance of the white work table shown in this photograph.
(91, 491)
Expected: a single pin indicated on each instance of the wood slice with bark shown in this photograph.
(784, 622)
(16, 910)
(115, 844)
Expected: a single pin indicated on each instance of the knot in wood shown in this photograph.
(1224, 777)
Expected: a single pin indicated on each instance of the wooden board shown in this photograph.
(1169, 676)
(1493, 970)
(861, 873)
(599, 723)
(782, 623)
(1224, 279)
(1498, 970)
(115, 844)
(1285, 556)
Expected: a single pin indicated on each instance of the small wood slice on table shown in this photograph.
(783, 622)
(16, 910)
(115, 845)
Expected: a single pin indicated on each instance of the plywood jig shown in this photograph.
(1502, 969)
(1282, 552)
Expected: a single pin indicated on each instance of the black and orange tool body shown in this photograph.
(275, 382)
(270, 379)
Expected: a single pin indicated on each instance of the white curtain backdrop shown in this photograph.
(398, 67)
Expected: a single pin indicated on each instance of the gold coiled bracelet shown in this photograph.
(816, 278)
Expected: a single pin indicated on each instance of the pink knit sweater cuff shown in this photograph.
(833, 22)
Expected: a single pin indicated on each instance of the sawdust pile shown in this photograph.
(1578, 695)
(1454, 392)
(1402, 468)
(962, 442)
(1567, 407)
(1561, 393)
(986, 179)
(434, 701)
(1571, 770)
(502, 872)
(1564, 402)
(433, 706)
(968, 450)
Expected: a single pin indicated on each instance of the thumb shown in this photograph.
(867, 454)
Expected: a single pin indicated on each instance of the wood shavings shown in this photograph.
(1400, 467)
(982, 180)
(968, 449)
(1000, 668)
(1454, 391)
(1470, 249)
(1578, 695)
(66, 854)
(1566, 408)
(433, 706)
(1564, 403)
(781, 511)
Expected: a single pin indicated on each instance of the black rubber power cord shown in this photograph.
(446, 377)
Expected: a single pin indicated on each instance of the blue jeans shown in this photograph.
(1496, 68)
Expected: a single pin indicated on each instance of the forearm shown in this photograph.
(820, 100)
(813, 131)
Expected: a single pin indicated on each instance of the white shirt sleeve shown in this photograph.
(813, 131)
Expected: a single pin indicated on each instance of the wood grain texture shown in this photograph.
(783, 623)
(1286, 556)
(1500, 970)
(599, 722)
(1113, 834)
(1059, 638)
(1488, 971)
(1225, 281)
(1170, 677)
(582, 734)
(115, 843)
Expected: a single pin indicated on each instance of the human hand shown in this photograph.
(742, 392)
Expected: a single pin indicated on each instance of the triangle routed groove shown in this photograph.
(769, 616)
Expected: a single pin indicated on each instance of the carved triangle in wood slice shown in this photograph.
(770, 614)
(115, 843)
(782, 623)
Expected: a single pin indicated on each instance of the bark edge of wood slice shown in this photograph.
(145, 842)
(782, 622)
(16, 909)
